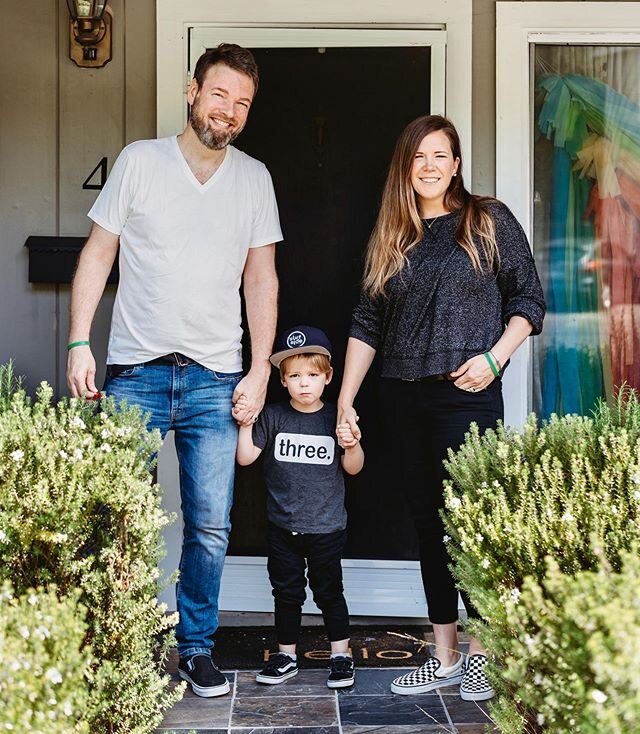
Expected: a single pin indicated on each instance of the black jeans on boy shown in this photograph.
(319, 553)
(424, 418)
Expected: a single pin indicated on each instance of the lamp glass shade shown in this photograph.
(92, 9)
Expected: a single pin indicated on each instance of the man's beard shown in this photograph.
(212, 139)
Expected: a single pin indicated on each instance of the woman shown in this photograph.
(450, 291)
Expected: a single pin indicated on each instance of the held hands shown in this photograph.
(249, 396)
(348, 435)
(474, 375)
(347, 416)
(346, 439)
(81, 373)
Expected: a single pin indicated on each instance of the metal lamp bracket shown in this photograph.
(90, 45)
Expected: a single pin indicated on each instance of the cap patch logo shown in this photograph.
(296, 339)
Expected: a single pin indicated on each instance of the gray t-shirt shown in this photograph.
(302, 468)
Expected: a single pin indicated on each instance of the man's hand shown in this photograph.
(260, 287)
(94, 266)
(81, 372)
(249, 396)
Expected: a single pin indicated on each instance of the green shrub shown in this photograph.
(576, 667)
(78, 509)
(540, 519)
(43, 663)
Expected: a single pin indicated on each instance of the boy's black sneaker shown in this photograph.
(342, 672)
(203, 674)
(280, 668)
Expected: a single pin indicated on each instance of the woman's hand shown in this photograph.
(346, 439)
(347, 415)
(474, 375)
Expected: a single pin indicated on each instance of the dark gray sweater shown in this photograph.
(439, 312)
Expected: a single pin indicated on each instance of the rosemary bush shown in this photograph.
(544, 527)
(43, 663)
(78, 509)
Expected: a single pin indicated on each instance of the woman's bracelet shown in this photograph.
(493, 363)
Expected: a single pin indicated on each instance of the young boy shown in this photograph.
(305, 502)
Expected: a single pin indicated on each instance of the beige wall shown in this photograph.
(57, 122)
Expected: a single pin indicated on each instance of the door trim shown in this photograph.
(175, 19)
(202, 37)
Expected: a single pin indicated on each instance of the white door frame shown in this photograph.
(519, 25)
(174, 19)
(209, 35)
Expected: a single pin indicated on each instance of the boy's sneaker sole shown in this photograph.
(273, 681)
(342, 673)
(208, 692)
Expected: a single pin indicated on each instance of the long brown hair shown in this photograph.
(399, 227)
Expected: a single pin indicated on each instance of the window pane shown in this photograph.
(587, 223)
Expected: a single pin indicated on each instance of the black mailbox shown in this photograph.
(53, 259)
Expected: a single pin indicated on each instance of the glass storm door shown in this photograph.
(568, 165)
(586, 223)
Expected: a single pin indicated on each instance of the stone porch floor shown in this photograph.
(304, 705)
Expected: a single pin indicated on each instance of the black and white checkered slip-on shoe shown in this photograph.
(280, 668)
(475, 685)
(428, 677)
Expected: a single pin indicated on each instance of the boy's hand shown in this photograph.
(347, 414)
(240, 408)
(346, 439)
(252, 387)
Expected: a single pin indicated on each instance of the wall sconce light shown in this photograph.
(89, 33)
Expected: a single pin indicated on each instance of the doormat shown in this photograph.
(248, 648)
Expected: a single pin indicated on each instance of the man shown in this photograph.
(192, 217)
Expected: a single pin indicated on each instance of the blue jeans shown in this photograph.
(195, 403)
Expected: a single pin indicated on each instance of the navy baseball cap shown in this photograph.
(300, 340)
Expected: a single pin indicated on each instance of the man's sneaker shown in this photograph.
(280, 668)
(342, 673)
(203, 674)
(428, 677)
(475, 685)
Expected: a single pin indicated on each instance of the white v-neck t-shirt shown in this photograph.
(183, 247)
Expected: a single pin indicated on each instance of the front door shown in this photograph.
(324, 122)
(330, 106)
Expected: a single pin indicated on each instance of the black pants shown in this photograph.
(424, 419)
(289, 556)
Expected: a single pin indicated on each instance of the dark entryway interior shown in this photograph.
(325, 122)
